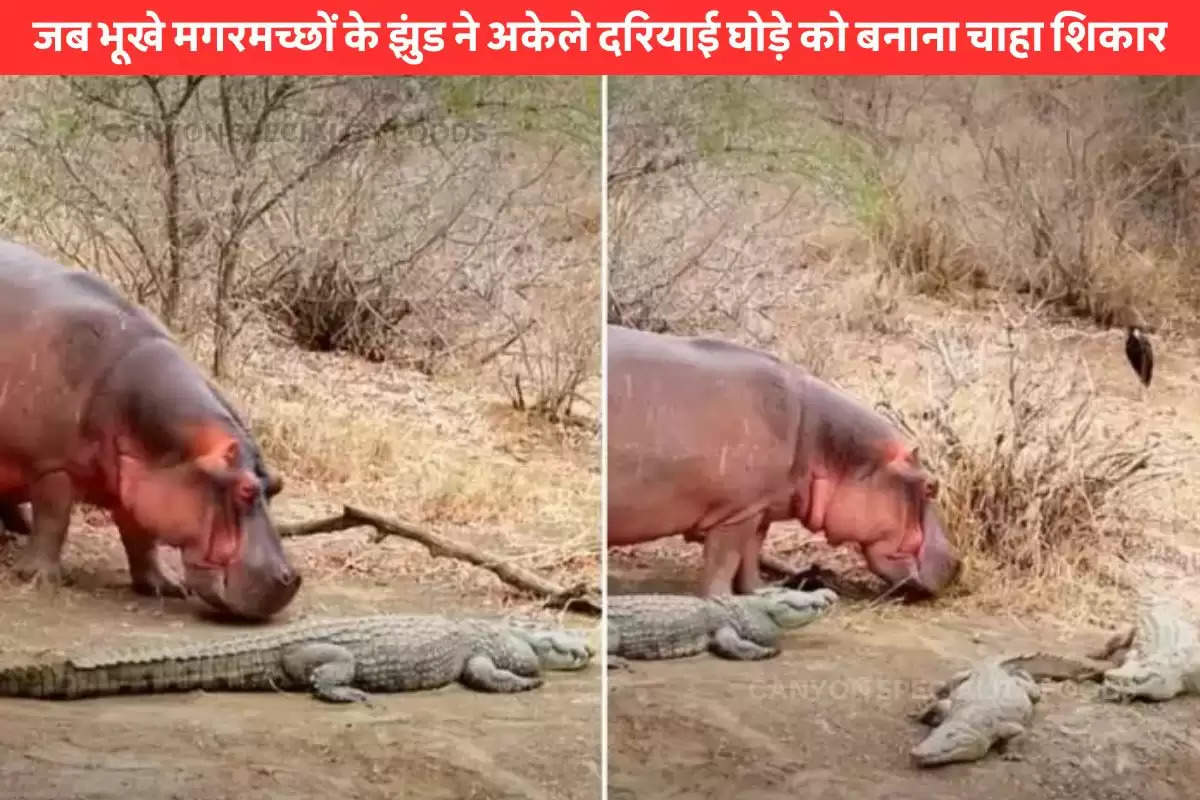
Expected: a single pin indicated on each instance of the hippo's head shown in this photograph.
(213, 507)
(891, 512)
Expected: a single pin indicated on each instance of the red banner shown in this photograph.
(927, 38)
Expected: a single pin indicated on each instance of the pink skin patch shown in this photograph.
(226, 537)
(882, 513)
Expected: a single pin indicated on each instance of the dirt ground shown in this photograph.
(448, 743)
(828, 718)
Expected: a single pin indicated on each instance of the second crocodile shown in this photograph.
(1157, 658)
(739, 627)
(984, 706)
(338, 660)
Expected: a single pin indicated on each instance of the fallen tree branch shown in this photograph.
(580, 596)
(813, 577)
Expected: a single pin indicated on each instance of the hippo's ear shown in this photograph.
(221, 460)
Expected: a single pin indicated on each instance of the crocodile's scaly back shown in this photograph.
(659, 626)
(743, 627)
(991, 703)
(378, 653)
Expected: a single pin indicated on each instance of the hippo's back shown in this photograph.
(63, 330)
(698, 430)
(33, 283)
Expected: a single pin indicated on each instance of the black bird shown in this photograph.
(1140, 354)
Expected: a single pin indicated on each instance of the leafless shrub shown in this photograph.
(710, 201)
(555, 353)
(1066, 190)
(328, 308)
(925, 249)
(1032, 494)
(410, 219)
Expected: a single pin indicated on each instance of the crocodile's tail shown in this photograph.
(68, 680)
(52, 680)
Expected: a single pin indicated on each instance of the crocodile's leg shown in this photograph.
(728, 644)
(481, 673)
(327, 668)
(1007, 731)
(1116, 648)
(934, 712)
(614, 661)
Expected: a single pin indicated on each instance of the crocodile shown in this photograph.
(985, 706)
(1158, 658)
(738, 627)
(1163, 657)
(337, 660)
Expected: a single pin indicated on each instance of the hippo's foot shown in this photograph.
(38, 570)
(151, 581)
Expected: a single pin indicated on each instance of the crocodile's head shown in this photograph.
(1144, 680)
(793, 608)
(950, 742)
(558, 650)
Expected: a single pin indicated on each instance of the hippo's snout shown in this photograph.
(234, 590)
(938, 566)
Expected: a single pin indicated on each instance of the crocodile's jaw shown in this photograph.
(560, 650)
(953, 741)
(1145, 681)
(795, 608)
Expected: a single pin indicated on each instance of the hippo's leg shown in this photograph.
(51, 496)
(145, 564)
(723, 548)
(749, 576)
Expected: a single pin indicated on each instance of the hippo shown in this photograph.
(98, 404)
(715, 441)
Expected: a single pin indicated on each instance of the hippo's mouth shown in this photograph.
(208, 583)
(937, 564)
(232, 594)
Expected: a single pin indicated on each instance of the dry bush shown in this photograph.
(556, 357)
(329, 308)
(1073, 191)
(924, 249)
(1032, 494)
(408, 219)
(714, 195)
(1067, 190)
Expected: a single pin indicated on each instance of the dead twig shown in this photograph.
(814, 577)
(579, 596)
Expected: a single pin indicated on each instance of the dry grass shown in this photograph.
(448, 454)
(1034, 494)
